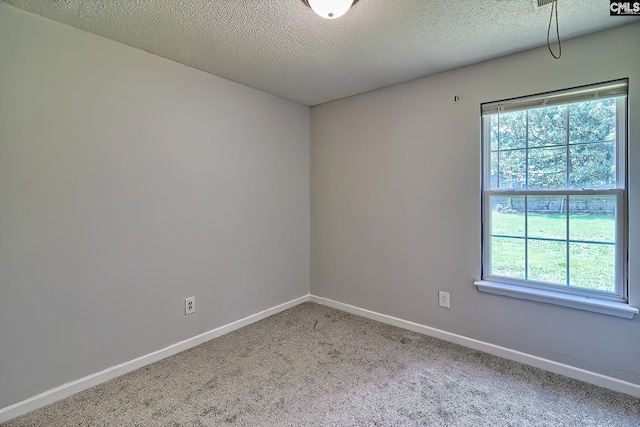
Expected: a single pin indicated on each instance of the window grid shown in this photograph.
(492, 158)
(619, 295)
(567, 240)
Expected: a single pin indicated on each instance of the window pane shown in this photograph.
(494, 170)
(547, 217)
(592, 165)
(507, 216)
(548, 126)
(592, 266)
(494, 132)
(592, 218)
(512, 172)
(547, 261)
(548, 167)
(513, 130)
(507, 257)
(592, 121)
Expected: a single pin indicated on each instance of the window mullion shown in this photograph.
(568, 207)
(567, 142)
(621, 246)
(621, 146)
(487, 235)
(567, 197)
(526, 200)
(526, 237)
(621, 199)
(572, 192)
(486, 153)
(526, 152)
(499, 147)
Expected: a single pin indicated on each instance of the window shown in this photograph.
(554, 193)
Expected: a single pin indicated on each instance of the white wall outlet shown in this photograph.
(443, 299)
(190, 305)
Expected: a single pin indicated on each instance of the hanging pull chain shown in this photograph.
(554, 7)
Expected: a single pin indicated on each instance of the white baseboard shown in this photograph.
(89, 381)
(527, 359)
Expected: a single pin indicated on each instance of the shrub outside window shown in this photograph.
(554, 191)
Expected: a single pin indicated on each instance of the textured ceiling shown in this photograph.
(282, 47)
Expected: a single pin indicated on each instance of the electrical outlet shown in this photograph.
(190, 305)
(443, 299)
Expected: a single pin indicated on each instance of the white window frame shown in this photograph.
(614, 303)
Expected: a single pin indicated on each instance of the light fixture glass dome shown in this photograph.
(330, 9)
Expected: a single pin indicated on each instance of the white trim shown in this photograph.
(589, 300)
(92, 380)
(507, 353)
(596, 305)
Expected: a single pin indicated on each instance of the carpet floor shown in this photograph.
(315, 366)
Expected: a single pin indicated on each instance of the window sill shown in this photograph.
(610, 308)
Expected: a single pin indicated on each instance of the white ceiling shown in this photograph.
(282, 47)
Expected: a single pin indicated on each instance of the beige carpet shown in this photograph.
(316, 366)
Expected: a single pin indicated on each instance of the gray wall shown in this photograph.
(128, 183)
(395, 204)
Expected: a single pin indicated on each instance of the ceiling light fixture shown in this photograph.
(330, 9)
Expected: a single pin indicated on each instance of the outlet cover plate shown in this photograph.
(443, 299)
(190, 305)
